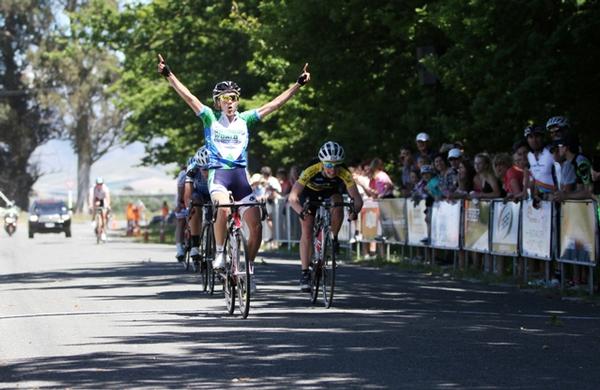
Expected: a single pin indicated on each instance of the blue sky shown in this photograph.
(119, 167)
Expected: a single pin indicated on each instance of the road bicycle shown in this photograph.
(323, 262)
(207, 248)
(238, 269)
(99, 227)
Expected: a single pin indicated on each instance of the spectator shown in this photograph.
(485, 183)
(293, 174)
(558, 127)
(466, 173)
(257, 183)
(272, 186)
(541, 163)
(423, 160)
(130, 219)
(407, 165)
(569, 149)
(503, 163)
(164, 211)
(284, 182)
(361, 180)
(423, 142)
(380, 182)
(451, 178)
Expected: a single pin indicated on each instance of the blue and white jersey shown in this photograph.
(227, 141)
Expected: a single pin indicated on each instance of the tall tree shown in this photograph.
(22, 121)
(77, 76)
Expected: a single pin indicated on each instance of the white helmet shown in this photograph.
(202, 157)
(558, 121)
(331, 151)
(99, 180)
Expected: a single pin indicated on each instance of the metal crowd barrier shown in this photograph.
(565, 232)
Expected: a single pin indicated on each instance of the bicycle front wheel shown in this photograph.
(228, 280)
(328, 271)
(204, 259)
(243, 274)
(209, 256)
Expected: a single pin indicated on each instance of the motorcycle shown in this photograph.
(10, 222)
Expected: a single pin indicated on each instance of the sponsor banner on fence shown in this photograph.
(369, 220)
(505, 228)
(578, 233)
(445, 225)
(536, 230)
(393, 219)
(417, 225)
(477, 231)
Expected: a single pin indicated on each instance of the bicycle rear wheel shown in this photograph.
(328, 271)
(243, 274)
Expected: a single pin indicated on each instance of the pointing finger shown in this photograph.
(305, 67)
(160, 58)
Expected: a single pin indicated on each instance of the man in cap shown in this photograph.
(424, 149)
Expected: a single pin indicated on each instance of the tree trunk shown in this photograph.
(83, 148)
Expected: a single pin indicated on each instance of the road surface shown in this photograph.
(74, 314)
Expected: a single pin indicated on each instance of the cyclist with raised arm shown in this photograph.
(195, 195)
(99, 198)
(226, 137)
(325, 177)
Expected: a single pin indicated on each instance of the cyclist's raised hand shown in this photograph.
(163, 68)
(304, 76)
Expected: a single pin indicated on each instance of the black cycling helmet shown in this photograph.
(224, 87)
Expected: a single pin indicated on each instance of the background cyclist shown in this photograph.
(99, 197)
(226, 136)
(324, 178)
(180, 214)
(196, 194)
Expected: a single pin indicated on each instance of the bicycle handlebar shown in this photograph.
(328, 205)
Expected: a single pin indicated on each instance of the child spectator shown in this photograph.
(380, 183)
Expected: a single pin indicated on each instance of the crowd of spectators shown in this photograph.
(546, 163)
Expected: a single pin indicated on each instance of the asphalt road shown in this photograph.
(74, 314)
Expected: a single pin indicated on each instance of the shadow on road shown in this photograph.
(388, 329)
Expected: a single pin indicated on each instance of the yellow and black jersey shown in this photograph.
(312, 177)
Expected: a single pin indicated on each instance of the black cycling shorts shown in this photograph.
(234, 180)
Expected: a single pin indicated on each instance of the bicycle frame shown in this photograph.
(323, 263)
(239, 270)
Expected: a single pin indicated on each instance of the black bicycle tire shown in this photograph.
(210, 241)
(328, 271)
(98, 229)
(228, 281)
(203, 268)
(243, 283)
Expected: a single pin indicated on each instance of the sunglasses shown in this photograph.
(330, 165)
(229, 98)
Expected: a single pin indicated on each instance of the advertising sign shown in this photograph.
(369, 220)
(393, 219)
(536, 230)
(445, 225)
(577, 233)
(505, 228)
(417, 225)
(477, 221)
